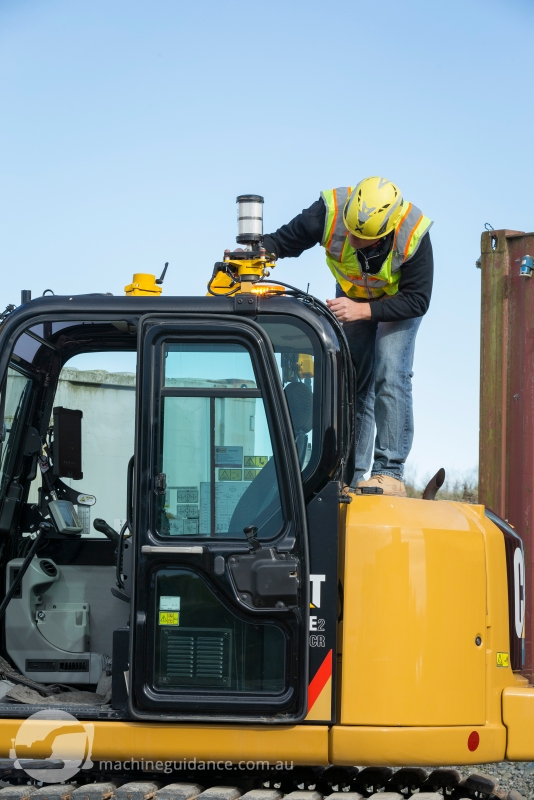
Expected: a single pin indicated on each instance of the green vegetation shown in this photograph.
(457, 486)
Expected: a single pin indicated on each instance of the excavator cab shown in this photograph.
(181, 468)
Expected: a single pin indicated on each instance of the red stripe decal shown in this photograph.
(319, 680)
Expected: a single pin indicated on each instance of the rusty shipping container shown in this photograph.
(506, 472)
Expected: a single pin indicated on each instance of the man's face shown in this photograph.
(359, 244)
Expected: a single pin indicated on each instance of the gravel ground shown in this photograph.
(517, 775)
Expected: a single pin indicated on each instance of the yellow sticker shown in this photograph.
(169, 617)
(503, 660)
(305, 365)
(250, 474)
(256, 461)
(230, 474)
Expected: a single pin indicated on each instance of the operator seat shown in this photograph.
(300, 401)
(260, 504)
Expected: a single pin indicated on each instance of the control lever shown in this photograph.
(250, 532)
(126, 530)
(102, 526)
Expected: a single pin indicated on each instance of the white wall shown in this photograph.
(107, 400)
(108, 404)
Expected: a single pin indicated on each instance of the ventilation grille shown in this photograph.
(48, 568)
(41, 666)
(195, 657)
(210, 657)
(181, 657)
(73, 666)
(81, 665)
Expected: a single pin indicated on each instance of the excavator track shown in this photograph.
(333, 783)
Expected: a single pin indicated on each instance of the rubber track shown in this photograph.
(335, 783)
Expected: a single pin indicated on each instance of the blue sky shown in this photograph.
(128, 128)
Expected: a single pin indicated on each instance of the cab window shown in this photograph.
(215, 448)
(15, 395)
(102, 386)
(298, 356)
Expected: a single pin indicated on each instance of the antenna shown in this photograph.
(160, 280)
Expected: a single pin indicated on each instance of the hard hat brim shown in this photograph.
(367, 238)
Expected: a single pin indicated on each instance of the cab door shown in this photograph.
(221, 575)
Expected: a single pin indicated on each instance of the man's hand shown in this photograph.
(348, 310)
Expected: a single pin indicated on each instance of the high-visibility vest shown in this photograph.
(343, 261)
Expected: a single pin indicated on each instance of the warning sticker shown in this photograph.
(503, 660)
(256, 462)
(186, 494)
(183, 527)
(227, 494)
(189, 511)
(250, 474)
(228, 457)
(169, 603)
(169, 617)
(230, 474)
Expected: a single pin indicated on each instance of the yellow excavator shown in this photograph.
(193, 605)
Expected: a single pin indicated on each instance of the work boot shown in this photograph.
(388, 485)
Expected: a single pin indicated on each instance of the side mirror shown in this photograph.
(67, 448)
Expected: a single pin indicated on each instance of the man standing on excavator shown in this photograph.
(379, 251)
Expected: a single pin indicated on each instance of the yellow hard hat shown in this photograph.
(373, 209)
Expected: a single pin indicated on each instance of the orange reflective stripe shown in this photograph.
(349, 192)
(334, 220)
(410, 237)
(399, 225)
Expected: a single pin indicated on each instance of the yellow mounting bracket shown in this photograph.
(241, 275)
(143, 284)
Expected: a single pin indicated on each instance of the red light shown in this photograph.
(473, 741)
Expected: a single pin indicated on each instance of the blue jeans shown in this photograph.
(382, 353)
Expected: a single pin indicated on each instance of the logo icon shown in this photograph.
(55, 735)
(316, 581)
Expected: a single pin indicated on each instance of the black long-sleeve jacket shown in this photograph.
(415, 285)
